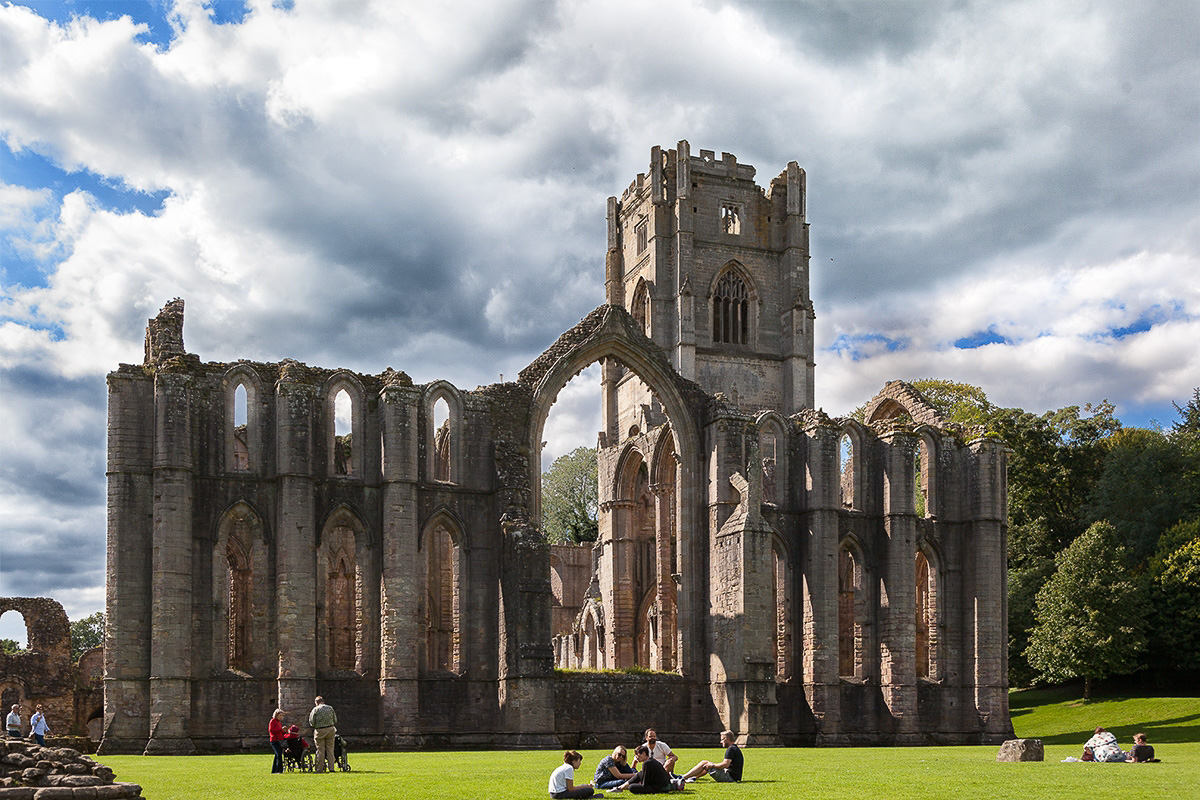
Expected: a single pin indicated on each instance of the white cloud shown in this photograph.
(379, 184)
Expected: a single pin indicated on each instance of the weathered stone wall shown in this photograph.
(43, 673)
(399, 570)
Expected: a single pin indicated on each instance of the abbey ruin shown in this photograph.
(795, 578)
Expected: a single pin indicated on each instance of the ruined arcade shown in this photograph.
(797, 579)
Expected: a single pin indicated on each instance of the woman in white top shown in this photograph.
(562, 780)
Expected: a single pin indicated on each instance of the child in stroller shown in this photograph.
(340, 753)
(295, 751)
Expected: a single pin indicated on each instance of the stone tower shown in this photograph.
(716, 271)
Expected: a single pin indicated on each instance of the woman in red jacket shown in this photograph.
(275, 731)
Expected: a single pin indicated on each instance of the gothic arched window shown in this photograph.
(731, 310)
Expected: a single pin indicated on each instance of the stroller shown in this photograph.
(296, 755)
(340, 753)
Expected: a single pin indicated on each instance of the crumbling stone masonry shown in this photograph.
(797, 579)
(31, 772)
(71, 695)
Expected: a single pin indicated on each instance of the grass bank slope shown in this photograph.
(1060, 716)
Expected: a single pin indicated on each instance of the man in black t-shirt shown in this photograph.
(727, 771)
(653, 777)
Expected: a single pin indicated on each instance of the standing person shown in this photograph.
(323, 719)
(38, 726)
(659, 751)
(727, 771)
(613, 770)
(275, 734)
(653, 778)
(562, 780)
(13, 722)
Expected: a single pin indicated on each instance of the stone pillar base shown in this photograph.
(162, 746)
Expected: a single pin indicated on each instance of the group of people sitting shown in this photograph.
(1103, 747)
(614, 773)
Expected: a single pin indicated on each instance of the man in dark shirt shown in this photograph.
(727, 771)
(1142, 751)
(653, 777)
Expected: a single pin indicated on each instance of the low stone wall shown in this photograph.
(31, 772)
(604, 709)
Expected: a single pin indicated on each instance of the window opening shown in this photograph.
(14, 635)
(731, 218)
(343, 434)
(443, 564)
(241, 445)
(846, 461)
(239, 580)
(731, 310)
(640, 232)
(442, 444)
(926, 645)
(767, 444)
(641, 308)
(850, 627)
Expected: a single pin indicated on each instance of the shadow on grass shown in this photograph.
(1162, 731)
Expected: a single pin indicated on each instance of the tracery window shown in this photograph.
(731, 310)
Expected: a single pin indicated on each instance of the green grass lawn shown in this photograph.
(1058, 718)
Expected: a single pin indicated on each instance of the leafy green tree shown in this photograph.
(962, 403)
(1150, 481)
(569, 498)
(1175, 598)
(10, 647)
(86, 633)
(1091, 613)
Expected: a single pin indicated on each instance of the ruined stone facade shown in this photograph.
(71, 694)
(783, 585)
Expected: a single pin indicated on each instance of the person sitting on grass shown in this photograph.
(1102, 747)
(1142, 752)
(562, 780)
(727, 771)
(653, 778)
(613, 770)
(660, 751)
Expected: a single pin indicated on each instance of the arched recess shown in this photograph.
(640, 307)
(926, 499)
(443, 555)
(592, 646)
(347, 591)
(244, 451)
(853, 611)
(346, 452)
(608, 333)
(241, 594)
(664, 473)
(850, 465)
(443, 444)
(773, 445)
(785, 624)
(733, 306)
(928, 607)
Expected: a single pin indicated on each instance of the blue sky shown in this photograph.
(1003, 194)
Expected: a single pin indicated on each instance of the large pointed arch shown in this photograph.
(444, 576)
(609, 332)
(347, 582)
(240, 596)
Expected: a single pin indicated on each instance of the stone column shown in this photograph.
(797, 322)
(296, 539)
(685, 332)
(989, 535)
(741, 586)
(130, 544)
(616, 578)
(897, 612)
(171, 611)
(665, 593)
(400, 592)
(819, 570)
(526, 657)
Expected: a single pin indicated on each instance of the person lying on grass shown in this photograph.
(727, 771)
(562, 780)
(653, 777)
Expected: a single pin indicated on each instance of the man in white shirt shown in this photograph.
(13, 722)
(660, 752)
